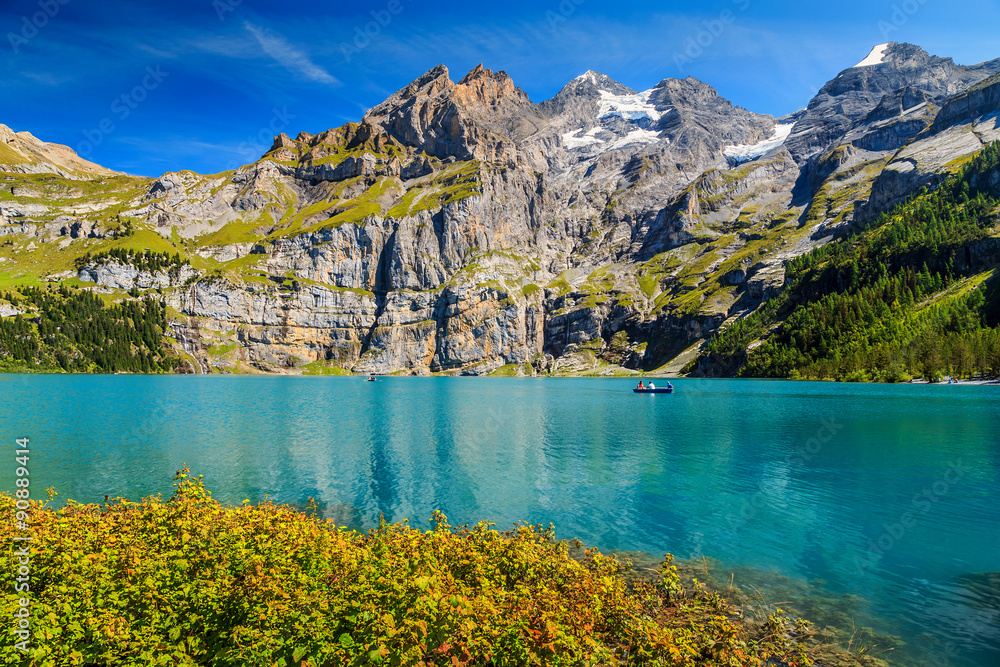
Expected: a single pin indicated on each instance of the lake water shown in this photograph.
(866, 504)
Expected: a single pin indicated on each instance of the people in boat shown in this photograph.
(652, 386)
(640, 385)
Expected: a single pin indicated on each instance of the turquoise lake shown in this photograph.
(872, 504)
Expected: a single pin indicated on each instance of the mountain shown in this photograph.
(20, 152)
(882, 100)
(460, 227)
(913, 293)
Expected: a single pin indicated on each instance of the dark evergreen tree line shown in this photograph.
(144, 260)
(871, 307)
(75, 331)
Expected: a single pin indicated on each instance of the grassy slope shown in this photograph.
(780, 339)
(28, 261)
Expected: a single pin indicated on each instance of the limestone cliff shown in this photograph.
(460, 227)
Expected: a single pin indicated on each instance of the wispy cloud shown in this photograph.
(156, 52)
(48, 79)
(289, 56)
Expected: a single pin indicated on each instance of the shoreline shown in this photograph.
(633, 376)
(714, 620)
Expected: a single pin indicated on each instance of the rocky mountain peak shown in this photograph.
(899, 70)
(894, 63)
(689, 92)
(473, 119)
(430, 82)
(282, 141)
(898, 55)
(22, 152)
(648, 218)
(597, 81)
(484, 88)
(577, 100)
(693, 108)
(318, 146)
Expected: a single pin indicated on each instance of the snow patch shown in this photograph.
(630, 107)
(636, 137)
(876, 57)
(570, 140)
(747, 152)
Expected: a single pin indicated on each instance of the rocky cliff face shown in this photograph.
(474, 119)
(903, 75)
(462, 228)
(118, 275)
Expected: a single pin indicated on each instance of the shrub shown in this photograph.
(188, 581)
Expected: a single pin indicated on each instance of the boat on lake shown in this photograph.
(653, 389)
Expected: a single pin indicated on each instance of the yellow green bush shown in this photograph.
(189, 581)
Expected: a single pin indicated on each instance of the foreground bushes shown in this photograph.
(191, 582)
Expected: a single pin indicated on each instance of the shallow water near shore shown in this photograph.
(862, 505)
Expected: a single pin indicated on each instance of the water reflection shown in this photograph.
(739, 472)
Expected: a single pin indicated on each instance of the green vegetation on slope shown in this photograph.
(336, 145)
(73, 330)
(905, 297)
(191, 582)
(453, 183)
(9, 156)
(143, 260)
(240, 231)
(103, 200)
(106, 196)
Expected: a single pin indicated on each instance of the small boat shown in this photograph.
(370, 378)
(659, 390)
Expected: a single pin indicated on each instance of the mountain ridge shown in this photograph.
(23, 152)
(460, 227)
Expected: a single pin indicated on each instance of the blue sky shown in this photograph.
(204, 84)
